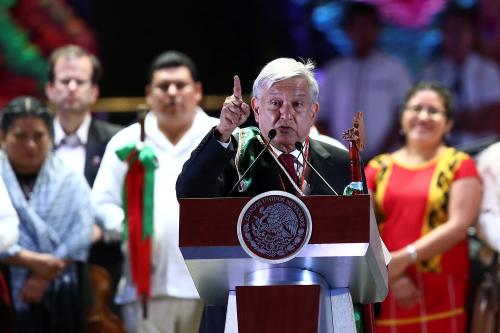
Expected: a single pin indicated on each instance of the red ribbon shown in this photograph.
(139, 246)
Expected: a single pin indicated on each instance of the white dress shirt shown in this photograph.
(72, 148)
(170, 275)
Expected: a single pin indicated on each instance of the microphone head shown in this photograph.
(272, 133)
(299, 145)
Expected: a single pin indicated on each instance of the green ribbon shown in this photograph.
(147, 157)
(357, 317)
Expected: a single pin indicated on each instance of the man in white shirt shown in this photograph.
(369, 81)
(173, 128)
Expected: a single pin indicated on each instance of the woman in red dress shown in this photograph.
(426, 195)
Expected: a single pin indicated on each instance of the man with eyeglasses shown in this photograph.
(79, 139)
(72, 88)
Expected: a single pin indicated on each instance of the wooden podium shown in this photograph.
(342, 263)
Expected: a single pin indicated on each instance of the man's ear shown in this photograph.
(255, 108)
(95, 92)
(147, 91)
(315, 110)
(198, 87)
(49, 88)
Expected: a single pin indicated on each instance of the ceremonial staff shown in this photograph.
(356, 138)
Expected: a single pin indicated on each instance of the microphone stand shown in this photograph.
(300, 147)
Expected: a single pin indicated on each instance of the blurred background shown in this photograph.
(224, 38)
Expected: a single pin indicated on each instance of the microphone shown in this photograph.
(272, 133)
(299, 146)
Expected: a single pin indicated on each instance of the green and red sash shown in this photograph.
(138, 206)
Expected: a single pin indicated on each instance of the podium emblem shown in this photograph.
(274, 226)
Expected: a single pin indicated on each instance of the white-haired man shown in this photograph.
(285, 99)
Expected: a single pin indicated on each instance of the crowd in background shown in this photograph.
(62, 174)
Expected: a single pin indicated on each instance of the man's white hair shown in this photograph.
(285, 68)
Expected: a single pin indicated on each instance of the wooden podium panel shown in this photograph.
(271, 309)
(212, 222)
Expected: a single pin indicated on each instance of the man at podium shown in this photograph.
(279, 155)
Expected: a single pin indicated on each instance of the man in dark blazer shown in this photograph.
(285, 100)
(79, 139)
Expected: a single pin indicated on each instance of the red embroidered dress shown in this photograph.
(410, 201)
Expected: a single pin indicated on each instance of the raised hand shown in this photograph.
(234, 112)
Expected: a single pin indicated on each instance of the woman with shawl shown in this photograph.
(55, 222)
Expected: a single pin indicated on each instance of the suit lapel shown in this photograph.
(319, 158)
(266, 175)
(92, 153)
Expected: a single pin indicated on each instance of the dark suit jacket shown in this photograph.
(210, 171)
(100, 132)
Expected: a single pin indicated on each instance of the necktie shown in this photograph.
(288, 162)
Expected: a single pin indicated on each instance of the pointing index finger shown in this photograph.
(237, 87)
